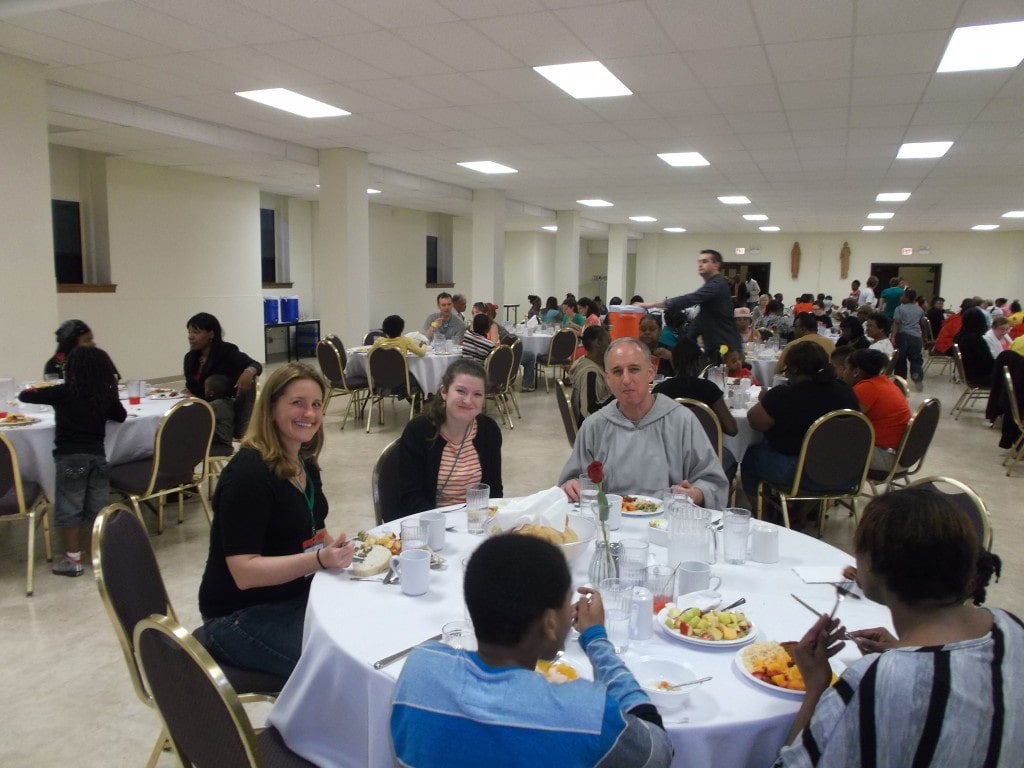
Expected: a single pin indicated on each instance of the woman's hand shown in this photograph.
(695, 494)
(338, 554)
(874, 640)
(588, 611)
(245, 380)
(572, 489)
(822, 641)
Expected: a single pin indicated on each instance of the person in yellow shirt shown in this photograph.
(805, 329)
(393, 326)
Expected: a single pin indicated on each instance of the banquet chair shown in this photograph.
(384, 485)
(244, 404)
(713, 428)
(23, 500)
(182, 443)
(201, 712)
(1014, 454)
(563, 346)
(220, 455)
(890, 367)
(498, 366)
(900, 382)
(332, 361)
(372, 335)
(913, 447)
(517, 363)
(389, 377)
(931, 356)
(832, 466)
(970, 394)
(963, 497)
(131, 588)
(565, 408)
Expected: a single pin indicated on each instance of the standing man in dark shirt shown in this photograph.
(715, 321)
(936, 315)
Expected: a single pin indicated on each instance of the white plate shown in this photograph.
(638, 497)
(23, 422)
(168, 396)
(738, 661)
(747, 638)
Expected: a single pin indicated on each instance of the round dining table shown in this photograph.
(427, 369)
(335, 708)
(130, 441)
(538, 342)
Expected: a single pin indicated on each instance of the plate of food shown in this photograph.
(17, 420)
(713, 629)
(634, 505)
(769, 665)
(557, 671)
(169, 394)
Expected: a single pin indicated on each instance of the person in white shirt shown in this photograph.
(867, 293)
(877, 329)
(998, 336)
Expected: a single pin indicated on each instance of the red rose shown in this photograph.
(595, 472)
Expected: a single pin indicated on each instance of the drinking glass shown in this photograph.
(735, 532)
(459, 635)
(478, 499)
(588, 497)
(633, 562)
(617, 596)
(415, 534)
(661, 580)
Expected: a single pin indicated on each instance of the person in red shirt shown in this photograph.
(881, 401)
(950, 328)
(734, 364)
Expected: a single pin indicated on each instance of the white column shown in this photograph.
(488, 277)
(341, 263)
(28, 297)
(618, 276)
(567, 254)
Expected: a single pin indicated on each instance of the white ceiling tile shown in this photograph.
(150, 24)
(534, 38)
(818, 119)
(618, 30)
(729, 66)
(933, 113)
(621, 108)
(644, 74)
(455, 88)
(696, 25)
(811, 60)
(989, 12)
(459, 45)
(476, 9)
(904, 53)
(893, 89)
(79, 77)
(518, 85)
(768, 141)
(65, 26)
(456, 117)
(231, 19)
(32, 45)
(321, 59)
(389, 53)
(682, 103)
(836, 138)
(876, 17)
(398, 93)
(746, 99)
(758, 122)
(313, 17)
(887, 116)
(954, 86)
(393, 14)
(648, 129)
(818, 21)
(1008, 110)
(822, 94)
(158, 80)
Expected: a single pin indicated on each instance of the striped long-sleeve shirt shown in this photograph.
(960, 704)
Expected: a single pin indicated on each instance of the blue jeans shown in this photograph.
(263, 638)
(82, 488)
(909, 348)
(762, 462)
(529, 368)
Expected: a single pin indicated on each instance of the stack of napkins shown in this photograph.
(543, 508)
(532, 322)
(418, 337)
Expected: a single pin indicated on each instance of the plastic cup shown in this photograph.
(661, 581)
(735, 533)
(459, 635)
(617, 596)
(415, 534)
(478, 499)
(134, 392)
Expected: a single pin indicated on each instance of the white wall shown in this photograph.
(987, 264)
(180, 243)
(529, 268)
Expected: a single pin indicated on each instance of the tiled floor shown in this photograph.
(66, 697)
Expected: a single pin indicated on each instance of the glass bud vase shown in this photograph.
(605, 562)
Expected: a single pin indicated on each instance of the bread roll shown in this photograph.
(376, 561)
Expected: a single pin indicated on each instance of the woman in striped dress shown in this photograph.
(451, 444)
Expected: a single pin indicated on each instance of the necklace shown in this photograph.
(458, 453)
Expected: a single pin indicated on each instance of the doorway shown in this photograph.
(759, 270)
(926, 279)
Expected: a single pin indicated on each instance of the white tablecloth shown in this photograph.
(334, 709)
(538, 343)
(745, 435)
(132, 440)
(428, 370)
(763, 370)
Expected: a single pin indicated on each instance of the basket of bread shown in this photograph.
(545, 516)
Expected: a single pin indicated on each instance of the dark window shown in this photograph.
(432, 259)
(67, 241)
(268, 245)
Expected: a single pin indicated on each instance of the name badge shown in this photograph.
(317, 542)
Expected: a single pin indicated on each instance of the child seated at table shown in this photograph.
(393, 325)
(82, 405)
(736, 368)
(218, 395)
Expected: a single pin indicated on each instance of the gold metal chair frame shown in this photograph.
(40, 508)
(517, 362)
(900, 382)
(554, 361)
(970, 394)
(848, 497)
(707, 417)
(356, 395)
(898, 471)
(372, 397)
(496, 390)
(931, 356)
(378, 507)
(1016, 449)
(568, 418)
(194, 486)
(984, 519)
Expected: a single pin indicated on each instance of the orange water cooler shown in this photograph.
(625, 320)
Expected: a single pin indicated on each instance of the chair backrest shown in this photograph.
(963, 497)
(1011, 395)
(835, 455)
(958, 361)
(918, 435)
(182, 443)
(708, 420)
(891, 365)
(568, 420)
(385, 486)
(499, 369)
(900, 382)
(372, 335)
(389, 371)
(339, 345)
(128, 579)
(517, 361)
(10, 476)
(563, 345)
(244, 404)
(330, 363)
(200, 709)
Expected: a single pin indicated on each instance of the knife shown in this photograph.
(381, 663)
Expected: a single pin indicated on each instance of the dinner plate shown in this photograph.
(738, 661)
(747, 638)
(656, 511)
(168, 396)
(23, 422)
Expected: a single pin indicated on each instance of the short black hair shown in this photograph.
(393, 325)
(443, 295)
(871, 361)
(853, 325)
(715, 255)
(686, 357)
(481, 323)
(590, 336)
(511, 579)
(882, 321)
(910, 295)
(217, 386)
(204, 321)
(636, 298)
(807, 321)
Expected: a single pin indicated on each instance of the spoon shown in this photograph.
(733, 604)
(698, 681)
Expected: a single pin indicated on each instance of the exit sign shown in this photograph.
(907, 252)
(740, 251)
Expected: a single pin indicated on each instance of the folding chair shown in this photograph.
(332, 361)
(21, 500)
(389, 377)
(498, 366)
(913, 447)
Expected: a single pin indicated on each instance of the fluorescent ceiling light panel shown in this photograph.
(595, 203)
(551, 227)
(683, 159)
(755, 217)
(1014, 215)
(892, 197)
(487, 166)
(872, 228)
(674, 229)
(372, 191)
(290, 101)
(734, 200)
(989, 46)
(642, 219)
(770, 229)
(923, 149)
(984, 227)
(881, 215)
(584, 79)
